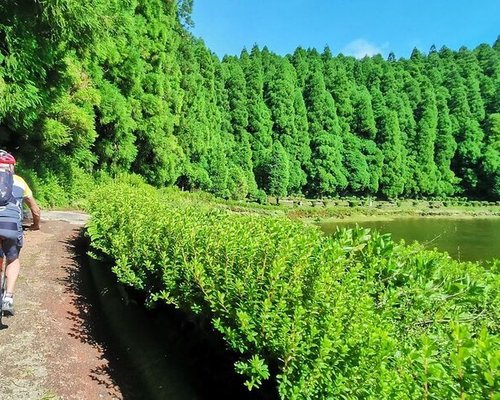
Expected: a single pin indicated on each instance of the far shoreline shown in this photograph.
(364, 213)
(359, 211)
(405, 215)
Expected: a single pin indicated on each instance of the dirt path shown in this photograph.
(51, 348)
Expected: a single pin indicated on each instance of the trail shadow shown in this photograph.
(151, 354)
(89, 322)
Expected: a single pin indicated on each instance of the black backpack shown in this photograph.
(6, 186)
(10, 213)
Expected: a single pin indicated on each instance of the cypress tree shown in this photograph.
(278, 171)
(338, 85)
(299, 149)
(241, 152)
(288, 116)
(363, 120)
(425, 175)
(490, 162)
(489, 77)
(327, 175)
(259, 116)
(355, 164)
(300, 63)
(375, 161)
(390, 143)
(445, 146)
(470, 70)
(467, 133)
(157, 86)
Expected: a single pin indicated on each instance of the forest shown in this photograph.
(93, 88)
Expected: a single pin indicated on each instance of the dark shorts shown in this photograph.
(10, 248)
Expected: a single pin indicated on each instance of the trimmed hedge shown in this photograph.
(352, 316)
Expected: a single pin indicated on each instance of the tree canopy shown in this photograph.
(105, 87)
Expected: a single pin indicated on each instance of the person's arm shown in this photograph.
(35, 211)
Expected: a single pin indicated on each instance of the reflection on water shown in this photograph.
(471, 239)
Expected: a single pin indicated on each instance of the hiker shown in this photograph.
(13, 192)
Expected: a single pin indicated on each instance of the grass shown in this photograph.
(355, 210)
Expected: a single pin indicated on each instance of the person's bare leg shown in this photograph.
(12, 273)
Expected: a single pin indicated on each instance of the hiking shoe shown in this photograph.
(8, 305)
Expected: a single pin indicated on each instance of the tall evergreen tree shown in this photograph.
(299, 149)
(490, 162)
(489, 77)
(327, 175)
(278, 171)
(242, 171)
(467, 133)
(355, 165)
(425, 172)
(390, 143)
(259, 116)
(281, 97)
(340, 87)
(445, 146)
(299, 60)
(375, 161)
(155, 91)
(363, 121)
(470, 71)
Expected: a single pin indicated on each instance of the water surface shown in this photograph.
(470, 239)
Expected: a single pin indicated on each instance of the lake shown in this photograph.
(471, 239)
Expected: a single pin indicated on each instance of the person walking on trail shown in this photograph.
(14, 191)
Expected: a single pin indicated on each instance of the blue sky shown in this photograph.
(353, 27)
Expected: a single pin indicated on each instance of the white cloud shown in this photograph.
(360, 48)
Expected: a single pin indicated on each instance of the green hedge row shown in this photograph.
(352, 316)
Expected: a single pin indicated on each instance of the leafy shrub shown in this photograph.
(350, 316)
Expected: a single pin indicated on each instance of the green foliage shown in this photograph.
(112, 87)
(445, 146)
(490, 165)
(350, 316)
(259, 116)
(357, 169)
(424, 170)
(240, 147)
(327, 175)
(279, 171)
(363, 121)
(389, 138)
